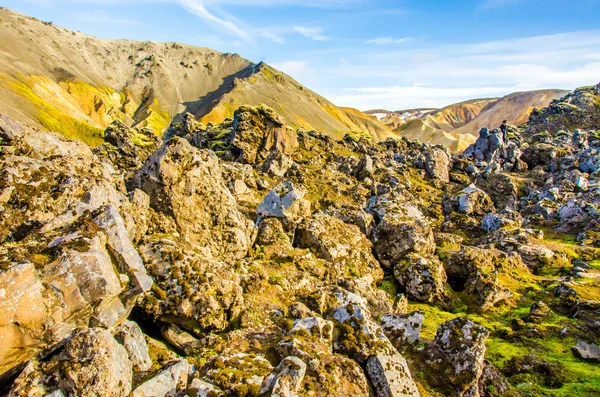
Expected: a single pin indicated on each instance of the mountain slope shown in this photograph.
(77, 84)
(438, 127)
(301, 107)
(515, 108)
(457, 126)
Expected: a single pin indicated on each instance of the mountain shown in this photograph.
(438, 127)
(457, 126)
(76, 84)
(396, 118)
(515, 108)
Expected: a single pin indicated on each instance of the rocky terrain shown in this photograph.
(457, 126)
(251, 258)
(75, 84)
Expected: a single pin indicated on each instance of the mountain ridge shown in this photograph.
(77, 84)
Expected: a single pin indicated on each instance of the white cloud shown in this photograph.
(269, 35)
(440, 75)
(314, 33)
(198, 8)
(388, 40)
(293, 68)
(102, 17)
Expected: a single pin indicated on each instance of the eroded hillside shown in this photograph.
(76, 84)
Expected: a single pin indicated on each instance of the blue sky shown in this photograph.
(369, 53)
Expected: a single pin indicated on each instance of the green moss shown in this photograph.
(358, 135)
(388, 284)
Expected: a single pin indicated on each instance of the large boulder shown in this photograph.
(258, 130)
(285, 380)
(285, 202)
(402, 229)
(186, 184)
(363, 340)
(338, 242)
(423, 278)
(437, 164)
(469, 201)
(42, 307)
(94, 364)
(190, 290)
(456, 356)
(487, 275)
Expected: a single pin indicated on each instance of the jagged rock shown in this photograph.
(45, 306)
(286, 202)
(258, 130)
(402, 329)
(250, 372)
(140, 213)
(400, 232)
(130, 336)
(186, 184)
(437, 164)
(487, 289)
(578, 108)
(477, 271)
(337, 376)
(122, 249)
(338, 242)
(277, 163)
(390, 375)
(586, 351)
(423, 278)
(456, 356)
(94, 364)
(364, 169)
(127, 148)
(177, 337)
(363, 340)
(167, 382)
(354, 216)
(200, 388)
(190, 290)
(470, 201)
(285, 380)
(491, 222)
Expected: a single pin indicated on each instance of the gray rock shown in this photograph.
(423, 278)
(389, 373)
(491, 223)
(122, 249)
(586, 351)
(437, 164)
(167, 382)
(458, 353)
(402, 329)
(285, 380)
(286, 202)
(95, 365)
(130, 336)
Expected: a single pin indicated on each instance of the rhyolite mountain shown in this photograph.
(457, 126)
(77, 84)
